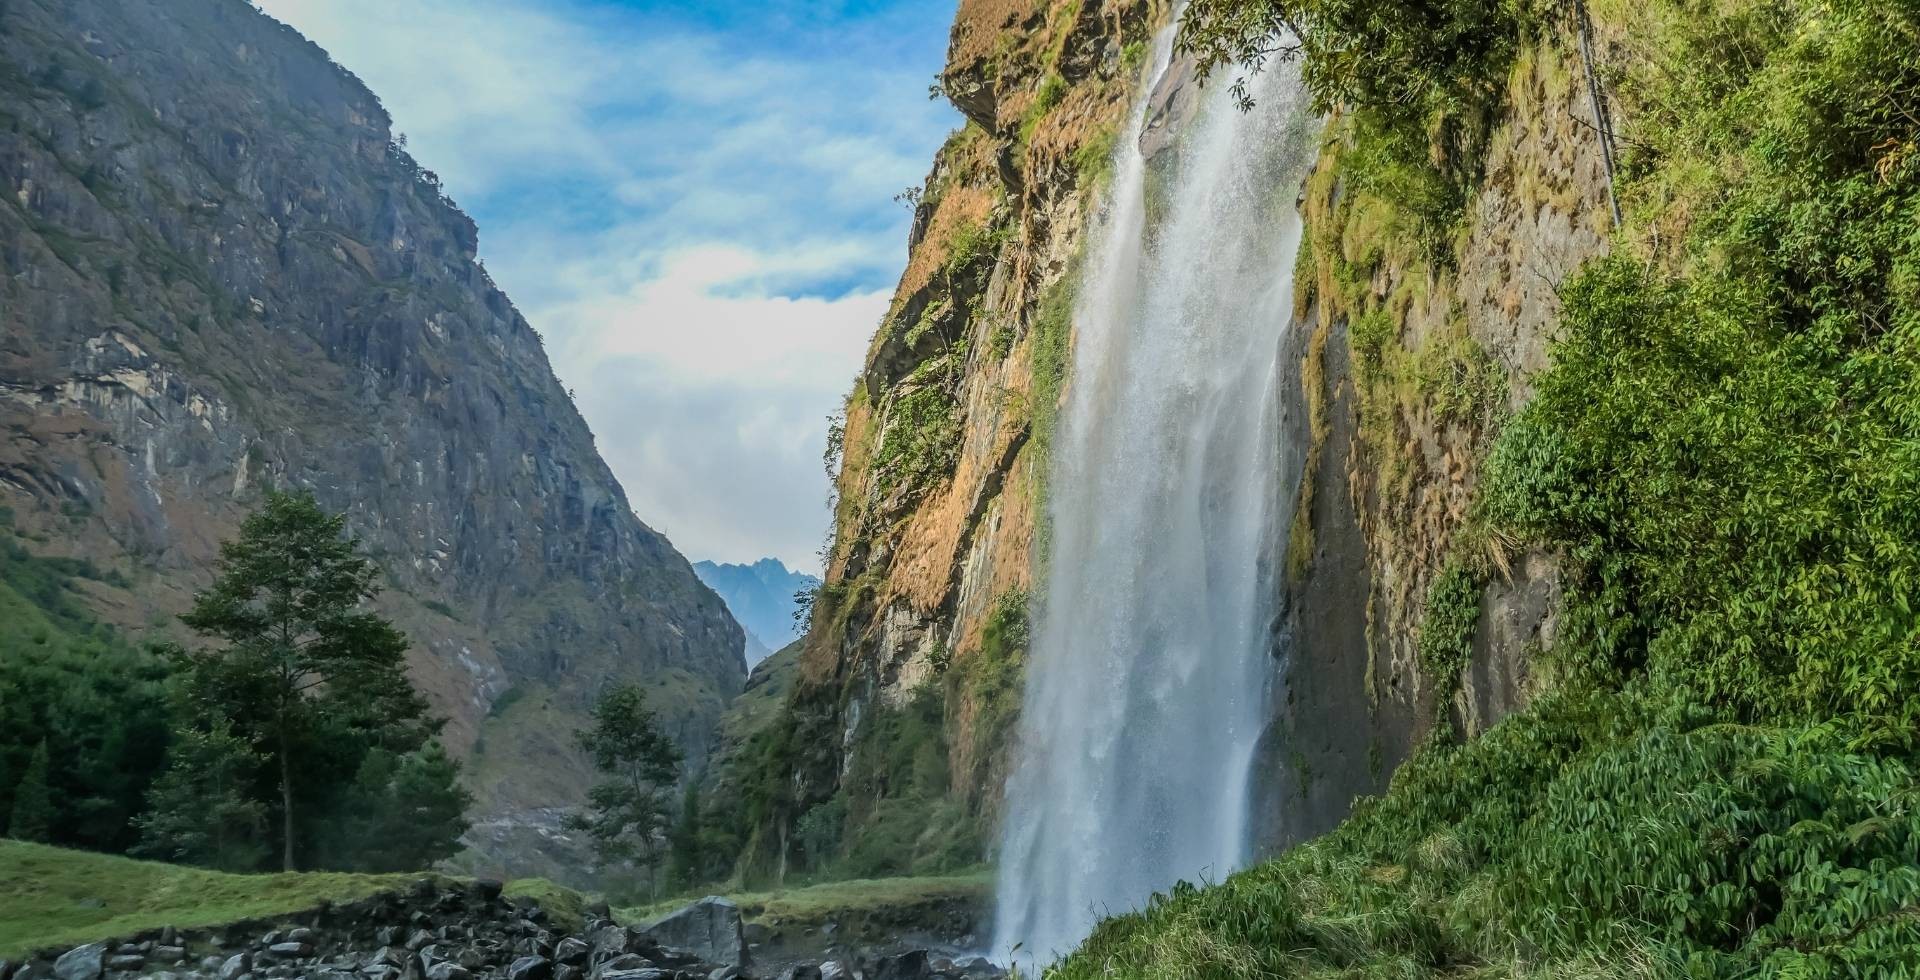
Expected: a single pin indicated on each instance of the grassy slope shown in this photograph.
(758, 705)
(51, 897)
(54, 897)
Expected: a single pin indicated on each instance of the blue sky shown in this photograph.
(693, 203)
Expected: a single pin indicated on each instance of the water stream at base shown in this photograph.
(1148, 680)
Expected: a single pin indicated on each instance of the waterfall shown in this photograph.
(1148, 679)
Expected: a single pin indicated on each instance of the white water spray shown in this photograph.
(1148, 681)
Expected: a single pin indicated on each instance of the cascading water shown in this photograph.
(1148, 681)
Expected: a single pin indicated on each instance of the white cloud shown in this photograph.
(697, 218)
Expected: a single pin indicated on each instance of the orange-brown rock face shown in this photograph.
(946, 428)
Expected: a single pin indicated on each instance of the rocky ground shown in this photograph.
(441, 930)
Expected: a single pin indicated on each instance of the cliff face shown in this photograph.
(945, 434)
(222, 273)
(1410, 356)
(1408, 352)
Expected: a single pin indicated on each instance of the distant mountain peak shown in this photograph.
(761, 596)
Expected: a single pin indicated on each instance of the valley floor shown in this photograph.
(51, 897)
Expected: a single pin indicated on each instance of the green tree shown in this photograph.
(403, 812)
(1405, 57)
(302, 660)
(200, 810)
(684, 855)
(32, 818)
(76, 684)
(628, 811)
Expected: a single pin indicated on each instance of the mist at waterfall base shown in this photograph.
(1152, 660)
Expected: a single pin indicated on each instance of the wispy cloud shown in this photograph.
(692, 202)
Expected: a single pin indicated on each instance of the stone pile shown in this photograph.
(440, 930)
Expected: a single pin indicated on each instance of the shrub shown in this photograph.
(1446, 632)
(920, 442)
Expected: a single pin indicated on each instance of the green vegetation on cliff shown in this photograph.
(1720, 776)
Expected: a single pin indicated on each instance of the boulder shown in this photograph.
(84, 963)
(801, 971)
(531, 968)
(609, 941)
(126, 962)
(903, 966)
(832, 970)
(388, 956)
(673, 956)
(977, 966)
(572, 951)
(709, 927)
(448, 970)
(624, 963)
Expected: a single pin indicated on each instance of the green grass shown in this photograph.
(752, 710)
(565, 907)
(51, 897)
(828, 900)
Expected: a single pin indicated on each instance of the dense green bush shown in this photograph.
(73, 688)
(1731, 450)
(1446, 631)
(920, 440)
(1752, 849)
(1597, 829)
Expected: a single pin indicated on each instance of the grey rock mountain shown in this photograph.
(219, 271)
(760, 596)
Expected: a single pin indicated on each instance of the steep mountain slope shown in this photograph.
(762, 597)
(222, 272)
